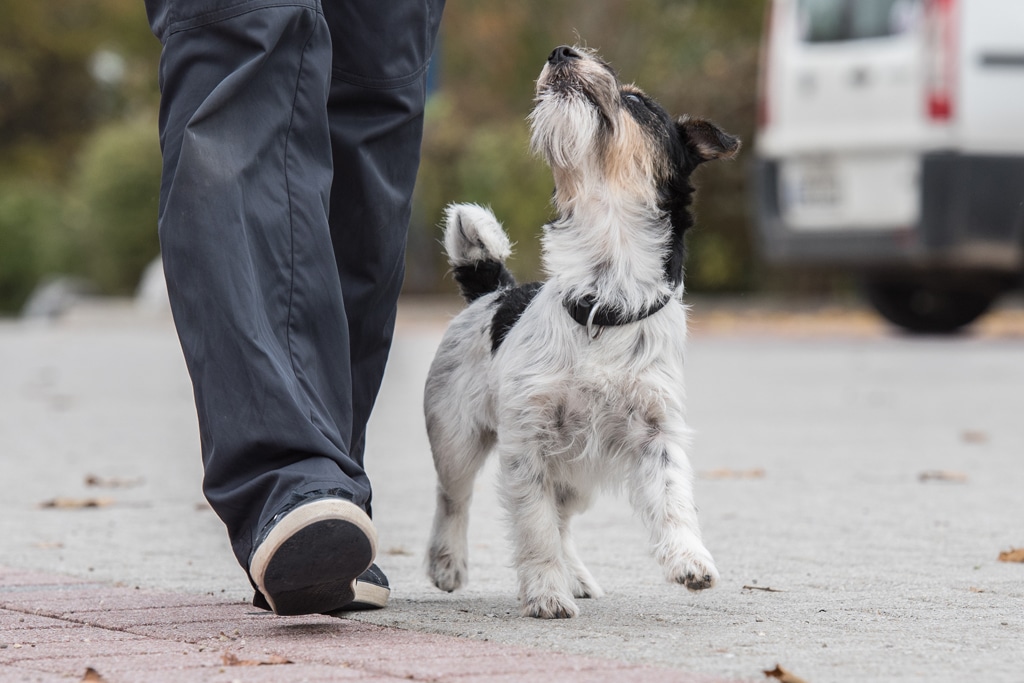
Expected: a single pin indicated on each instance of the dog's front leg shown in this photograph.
(661, 491)
(570, 501)
(544, 581)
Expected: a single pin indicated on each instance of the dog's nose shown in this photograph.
(562, 53)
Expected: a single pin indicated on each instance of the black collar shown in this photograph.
(589, 313)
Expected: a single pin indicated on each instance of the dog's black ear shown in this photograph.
(706, 140)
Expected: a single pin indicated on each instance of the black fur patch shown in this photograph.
(675, 200)
(482, 277)
(509, 307)
(675, 192)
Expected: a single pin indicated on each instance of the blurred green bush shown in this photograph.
(79, 159)
(30, 216)
(101, 227)
(111, 210)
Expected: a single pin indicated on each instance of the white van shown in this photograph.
(891, 144)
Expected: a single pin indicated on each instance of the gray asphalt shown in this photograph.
(810, 450)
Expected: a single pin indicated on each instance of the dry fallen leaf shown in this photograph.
(1012, 555)
(93, 676)
(727, 473)
(230, 659)
(783, 675)
(75, 503)
(974, 436)
(113, 482)
(943, 475)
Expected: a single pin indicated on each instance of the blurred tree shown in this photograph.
(694, 56)
(72, 68)
(66, 70)
(50, 92)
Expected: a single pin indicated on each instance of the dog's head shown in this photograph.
(593, 129)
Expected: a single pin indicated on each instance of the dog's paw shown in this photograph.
(585, 587)
(696, 573)
(550, 607)
(446, 571)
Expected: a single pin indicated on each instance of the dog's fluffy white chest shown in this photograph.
(591, 399)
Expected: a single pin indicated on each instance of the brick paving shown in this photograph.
(59, 628)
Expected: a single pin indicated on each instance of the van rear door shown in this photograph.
(846, 112)
(991, 92)
(850, 73)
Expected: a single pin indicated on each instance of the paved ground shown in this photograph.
(857, 487)
(58, 628)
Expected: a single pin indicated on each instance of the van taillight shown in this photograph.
(941, 59)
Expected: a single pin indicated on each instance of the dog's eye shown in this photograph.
(633, 98)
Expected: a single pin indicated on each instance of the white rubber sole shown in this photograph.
(309, 561)
(370, 596)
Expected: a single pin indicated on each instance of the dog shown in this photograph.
(576, 381)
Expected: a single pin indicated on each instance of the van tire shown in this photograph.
(927, 307)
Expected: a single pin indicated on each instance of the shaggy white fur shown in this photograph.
(569, 412)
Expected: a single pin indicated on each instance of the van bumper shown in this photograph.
(971, 218)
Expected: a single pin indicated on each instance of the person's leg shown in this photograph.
(381, 51)
(254, 291)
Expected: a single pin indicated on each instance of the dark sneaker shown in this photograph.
(372, 590)
(309, 560)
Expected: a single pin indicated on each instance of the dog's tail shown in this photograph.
(477, 247)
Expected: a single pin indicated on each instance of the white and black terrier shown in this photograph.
(578, 381)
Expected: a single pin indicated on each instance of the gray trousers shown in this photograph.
(291, 134)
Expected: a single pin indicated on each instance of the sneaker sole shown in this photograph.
(368, 596)
(309, 561)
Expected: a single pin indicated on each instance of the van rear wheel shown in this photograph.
(929, 307)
